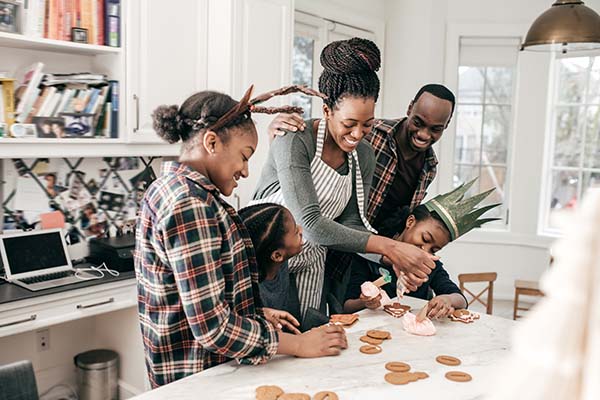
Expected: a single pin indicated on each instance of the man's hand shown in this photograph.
(372, 303)
(285, 122)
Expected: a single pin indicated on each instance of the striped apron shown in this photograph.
(333, 192)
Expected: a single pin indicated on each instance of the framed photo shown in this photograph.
(3, 129)
(79, 35)
(22, 130)
(49, 127)
(10, 15)
(78, 124)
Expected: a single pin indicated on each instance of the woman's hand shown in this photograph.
(414, 262)
(285, 122)
(440, 307)
(282, 319)
(326, 340)
(372, 303)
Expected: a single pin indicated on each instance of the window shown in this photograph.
(311, 35)
(484, 117)
(574, 162)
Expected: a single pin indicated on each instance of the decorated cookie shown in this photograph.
(343, 319)
(396, 310)
(396, 366)
(368, 349)
(448, 360)
(458, 376)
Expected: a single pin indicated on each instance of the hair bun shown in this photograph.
(353, 56)
(166, 123)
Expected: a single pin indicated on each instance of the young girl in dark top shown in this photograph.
(425, 228)
(276, 238)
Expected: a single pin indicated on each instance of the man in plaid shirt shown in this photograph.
(405, 160)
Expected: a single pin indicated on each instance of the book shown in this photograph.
(114, 112)
(42, 111)
(53, 20)
(86, 18)
(101, 22)
(8, 96)
(30, 81)
(34, 18)
(112, 25)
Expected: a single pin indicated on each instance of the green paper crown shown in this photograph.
(459, 214)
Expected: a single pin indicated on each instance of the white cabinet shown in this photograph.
(166, 59)
(257, 38)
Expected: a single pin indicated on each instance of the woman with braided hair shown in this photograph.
(195, 264)
(323, 174)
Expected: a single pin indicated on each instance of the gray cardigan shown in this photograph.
(288, 168)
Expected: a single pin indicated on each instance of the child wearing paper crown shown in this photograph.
(430, 226)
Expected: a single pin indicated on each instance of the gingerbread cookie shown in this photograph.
(395, 366)
(377, 334)
(448, 360)
(458, 376)
(294, 396)
(325, 396)
(268, 392)
(396, 310)
(464, 316)
(370, 340)
(368, 349)
(343, 319)
(402, 378)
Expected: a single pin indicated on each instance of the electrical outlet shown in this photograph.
(43, 339)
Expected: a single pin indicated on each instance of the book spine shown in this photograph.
(68, 22)
(101, 19)
(40, 18)
(53, 19)
(8, 93)
(114, 112)
(33, 78)
(37, 105)
(113, 23)
(86, 18)
(60, 20)
(46, 103)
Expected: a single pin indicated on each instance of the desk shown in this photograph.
(22, 310)
(354, 375)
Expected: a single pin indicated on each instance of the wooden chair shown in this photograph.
(488, 277)
(524, 288)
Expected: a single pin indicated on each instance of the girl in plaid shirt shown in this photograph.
(195, 265)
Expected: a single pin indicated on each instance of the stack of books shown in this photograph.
(64, 105)
(55, 19)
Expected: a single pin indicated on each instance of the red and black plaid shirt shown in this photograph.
(384, 146)
(197, 280)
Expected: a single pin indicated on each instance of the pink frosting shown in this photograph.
(368, 289)
(423, 328)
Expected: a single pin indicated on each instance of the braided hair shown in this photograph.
(266, 226)
(349, 70)
(197, 113)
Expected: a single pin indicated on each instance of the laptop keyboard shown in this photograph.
(47, 277)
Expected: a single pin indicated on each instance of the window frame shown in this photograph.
(549, 168)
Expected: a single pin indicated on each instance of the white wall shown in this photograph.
(416, 53)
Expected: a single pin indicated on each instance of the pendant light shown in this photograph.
(568, 25)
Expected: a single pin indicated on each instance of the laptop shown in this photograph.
(38, 260)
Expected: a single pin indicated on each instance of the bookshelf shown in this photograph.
(19, 41)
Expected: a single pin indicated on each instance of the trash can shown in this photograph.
(98, 375)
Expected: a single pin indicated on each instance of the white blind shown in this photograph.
(489, 51)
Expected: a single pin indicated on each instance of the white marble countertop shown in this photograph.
(354, 375)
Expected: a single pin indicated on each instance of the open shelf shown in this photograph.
(19, 41)
(57, 148)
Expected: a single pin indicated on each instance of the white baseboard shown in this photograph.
(127, 391)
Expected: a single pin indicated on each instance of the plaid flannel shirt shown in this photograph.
(384, 146)
(197, 280)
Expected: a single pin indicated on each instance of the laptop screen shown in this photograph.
(34, 252)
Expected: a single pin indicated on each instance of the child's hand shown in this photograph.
(326, 340)
(440, 307)
(282, 319)
(371, 303)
